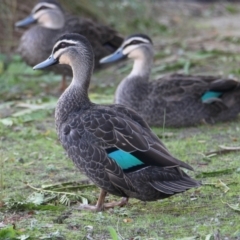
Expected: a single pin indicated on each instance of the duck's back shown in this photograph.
(37, 42)
(176, 100)
(93, 137)
(189, 90)
(104, 40)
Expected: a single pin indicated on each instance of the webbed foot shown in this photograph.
(101, 206)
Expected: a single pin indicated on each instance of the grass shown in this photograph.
(31, 157)
(31, 154)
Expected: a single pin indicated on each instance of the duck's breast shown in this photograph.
(36, 44)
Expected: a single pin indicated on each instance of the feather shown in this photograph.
(210, 96)
(175, 100)
(112, 144)
(36, 43)
(124, 159)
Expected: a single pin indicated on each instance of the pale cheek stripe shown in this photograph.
(130, 48)
(136, 38)
(58, 53)
(49, 5)
(65, 41)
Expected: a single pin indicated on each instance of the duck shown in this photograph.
(175, 100)
(49, 23)
(111, 144)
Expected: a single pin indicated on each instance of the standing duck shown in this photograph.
(51, 22)
(111, 144)
(174, 100)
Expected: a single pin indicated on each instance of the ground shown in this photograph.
(40, 187)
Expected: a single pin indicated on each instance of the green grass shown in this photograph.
(31, 157)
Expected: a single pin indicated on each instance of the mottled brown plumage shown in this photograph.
(94, 135)
(50, 23)
(175, 100)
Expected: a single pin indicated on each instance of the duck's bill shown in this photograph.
(25, 22)
(49, 62)
(118, 55)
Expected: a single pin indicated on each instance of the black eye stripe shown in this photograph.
(63, 45)
(133, 42)
(41, 8)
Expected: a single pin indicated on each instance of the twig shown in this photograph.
(51, 191)
(223, 150)
(118, 229)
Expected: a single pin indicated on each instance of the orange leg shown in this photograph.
(100, 206)
(120, 203)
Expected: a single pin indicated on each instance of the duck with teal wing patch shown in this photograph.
(111, 144)
(175, 100)
(49, 23)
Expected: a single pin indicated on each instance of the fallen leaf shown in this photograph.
(47, 133)
(36, 198)
(165, 135)
(216, 173)
(89, 228)
(188, 238)
(209, 237)
(23, 237)
(84, 200)
(230, 148)
(7, 121)
(219, 184)
(223, 150)
(222, 185)
(29, 163)
(127, 220)
(235, 207)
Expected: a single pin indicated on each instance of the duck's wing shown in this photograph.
(179, 87)
(108, 141)
(184, 85)
(125, 130)
(98, 166)
(104, 39)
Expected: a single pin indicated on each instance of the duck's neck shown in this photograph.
(75, 98)
(137, 80)
(53, 20)
(142, 62)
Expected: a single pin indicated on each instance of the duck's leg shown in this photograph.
(120, 203)
(100, 203)
(100, 206)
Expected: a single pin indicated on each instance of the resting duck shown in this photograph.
(174, 100)
(111, 144)
(50, 23)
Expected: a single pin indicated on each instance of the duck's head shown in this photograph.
(69, 49)
(133, 47)
(47, 13)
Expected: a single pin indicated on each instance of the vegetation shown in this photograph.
(40, 187)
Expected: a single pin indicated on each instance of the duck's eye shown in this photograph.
(62, 45)
(136, 42)
(41, 8)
